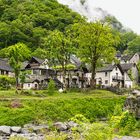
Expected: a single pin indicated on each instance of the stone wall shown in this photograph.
(132, 103)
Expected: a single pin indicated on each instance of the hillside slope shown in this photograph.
(28, 21)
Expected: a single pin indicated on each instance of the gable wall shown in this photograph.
(135, 59)
(103, 77)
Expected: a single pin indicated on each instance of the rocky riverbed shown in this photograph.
(39, 132)
(32, 131)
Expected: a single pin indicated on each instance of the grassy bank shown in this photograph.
(19, 110)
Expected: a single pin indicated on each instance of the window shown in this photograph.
(36, 72)
(106, 81)
(105, 74)
(116, 68)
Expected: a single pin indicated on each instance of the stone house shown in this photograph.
(38, 74)
(5, 68)
(111, 75)
(75, 76)
(120, 75)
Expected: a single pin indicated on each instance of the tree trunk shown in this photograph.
(64, 78)
(16, 82)
(93, 73)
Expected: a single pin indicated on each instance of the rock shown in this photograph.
(5, 130)
(60, 126)
(25, 130)
(40, 128)
(16, 129)
(28, 125)
(71, 124)
(136, 92)
(31, 136)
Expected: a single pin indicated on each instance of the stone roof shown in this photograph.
(74, 60)
(4, 65)
(109, 67)
(38, 60)
(127, 66)
(127, 57)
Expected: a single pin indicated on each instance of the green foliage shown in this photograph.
(23, 75)
(117, 110)
(18, 116)
(126, 37)
(59, 108)
(16, 53)
(41, 53)
(99, 131)
(96, 42)
(68, 67)
(114, 23)
(79, 118)
(125, 123)
(134, 45)
(6, 82)
(51, 87)
(131, 74)
(30, 21)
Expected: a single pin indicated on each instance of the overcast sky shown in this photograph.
(126, 11)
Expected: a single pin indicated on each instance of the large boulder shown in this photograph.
(16, 129)
(5, 130)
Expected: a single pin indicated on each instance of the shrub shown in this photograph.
(79, 118)
(124, 124)
(6, 82)
(99, 131)
(51, 87)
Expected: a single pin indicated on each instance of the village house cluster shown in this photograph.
(38, 73)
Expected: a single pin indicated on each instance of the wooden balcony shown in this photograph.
(117, 78)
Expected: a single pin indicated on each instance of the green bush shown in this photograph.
(124, 124)
(16, 116)
(79, 118)
(51, 87)
(6, 82)
(99, 131)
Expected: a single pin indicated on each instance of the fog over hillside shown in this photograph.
(85, 8)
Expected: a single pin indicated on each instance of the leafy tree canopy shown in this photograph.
(28, 21)
(134, 45)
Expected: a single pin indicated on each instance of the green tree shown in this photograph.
(96, 42)
(17, 53)
(41, 53)
(60, 49)
(29, 21)
(125, 39)
(134, 45)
